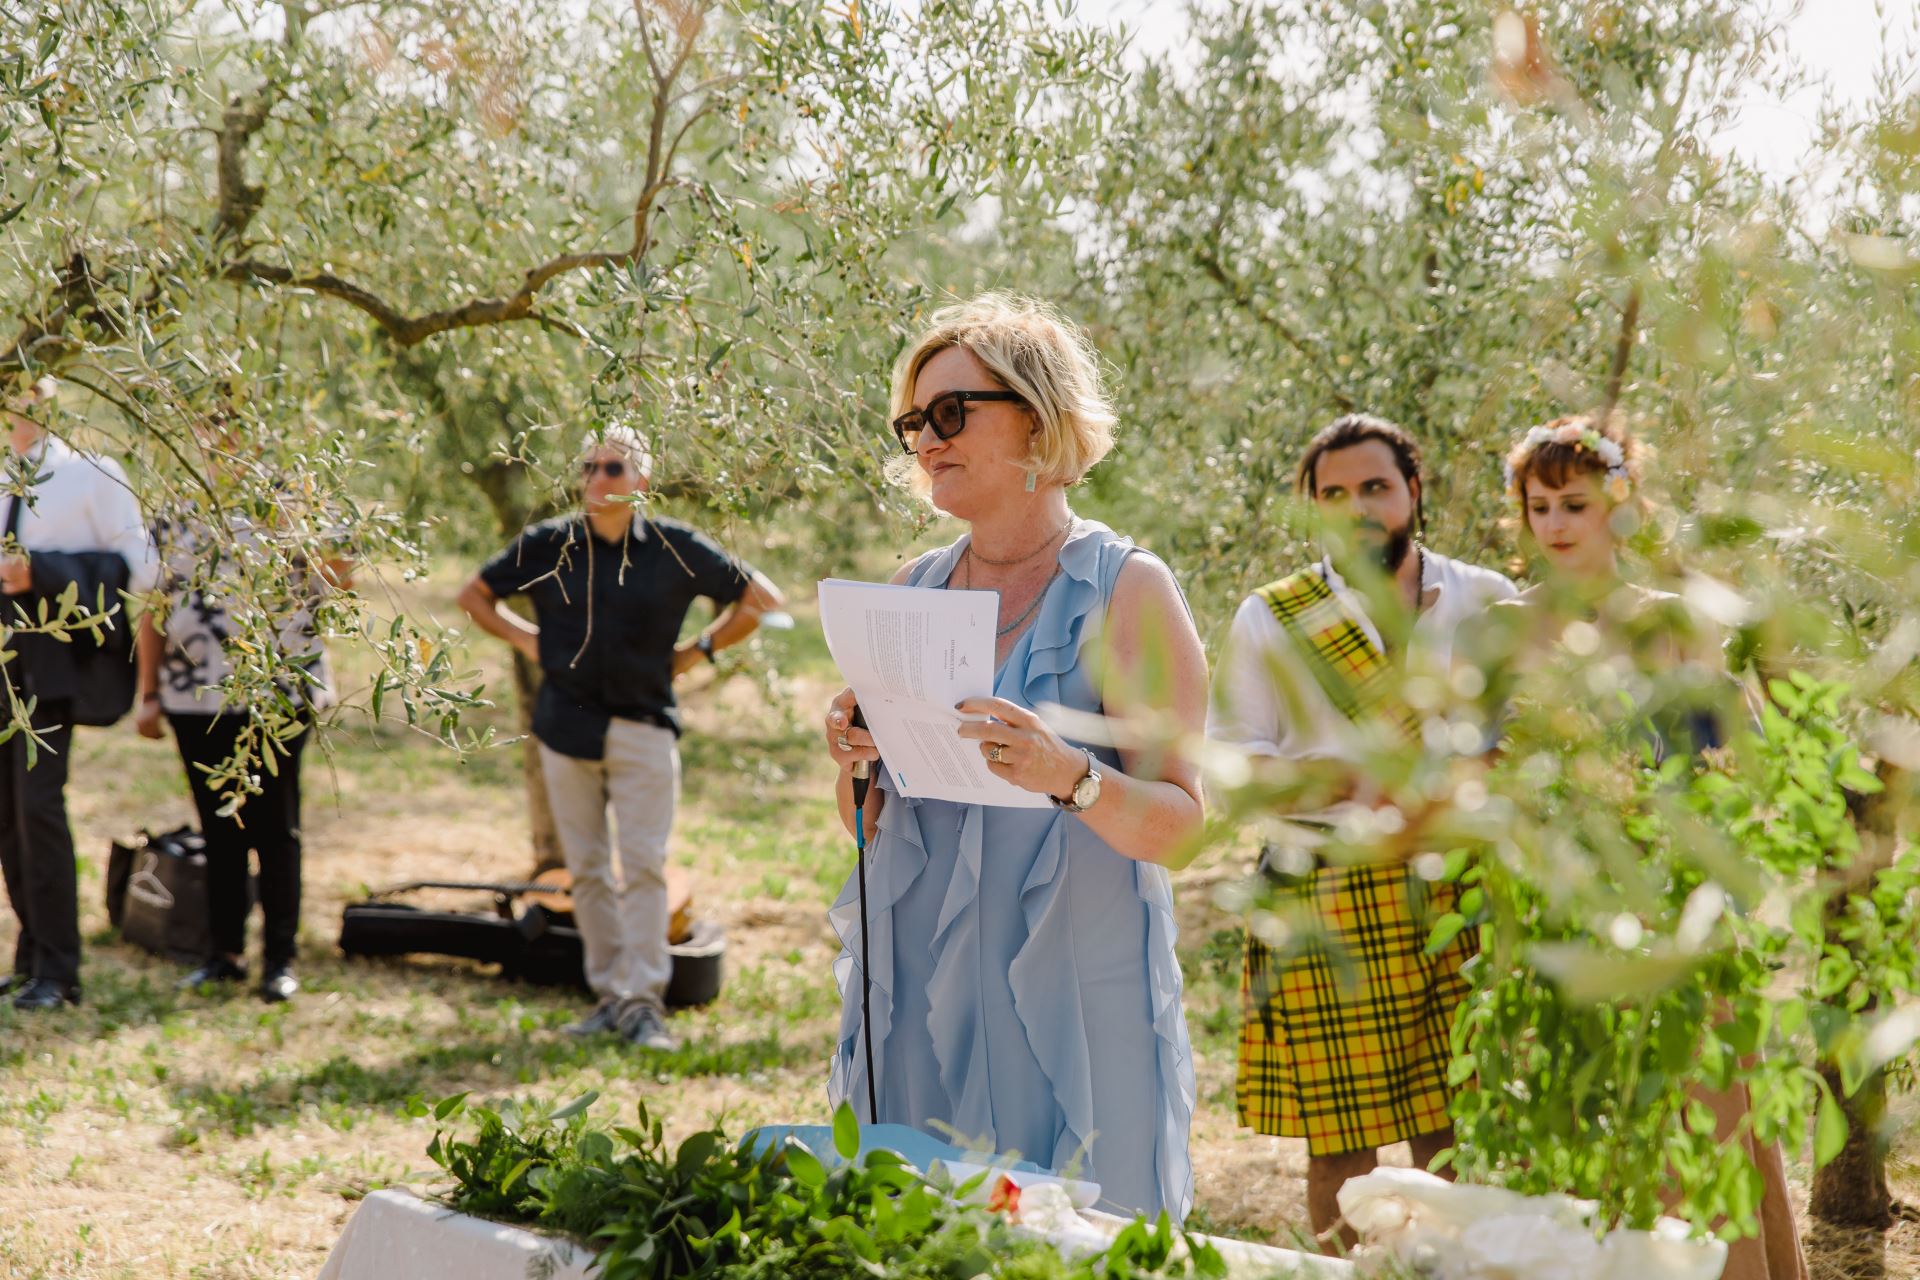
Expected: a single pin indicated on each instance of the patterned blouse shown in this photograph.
(220, 593)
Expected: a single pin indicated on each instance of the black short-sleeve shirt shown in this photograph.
(610, 615)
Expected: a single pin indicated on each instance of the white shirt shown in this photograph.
(80, 502)
(1266, 699)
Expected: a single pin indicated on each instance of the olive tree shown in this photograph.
(405, 256)
(1471, 219)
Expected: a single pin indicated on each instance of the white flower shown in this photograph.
(1619, 483)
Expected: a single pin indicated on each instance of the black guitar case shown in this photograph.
(531, 944)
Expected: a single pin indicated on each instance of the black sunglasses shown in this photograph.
(945, 415)
(613, 468)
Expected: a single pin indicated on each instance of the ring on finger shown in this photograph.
(997, 753)
(842, 743)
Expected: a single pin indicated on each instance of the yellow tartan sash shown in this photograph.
(1348, 666)
(1344, 1036)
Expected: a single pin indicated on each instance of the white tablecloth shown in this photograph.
(395, 1235)
(1460, 1229)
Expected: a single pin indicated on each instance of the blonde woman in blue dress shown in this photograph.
(1026, 995)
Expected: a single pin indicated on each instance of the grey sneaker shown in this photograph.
(645, 1027)
(604, 1018)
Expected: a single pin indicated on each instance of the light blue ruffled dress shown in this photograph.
(1026, 995)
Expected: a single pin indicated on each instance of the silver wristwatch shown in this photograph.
(1086, 792)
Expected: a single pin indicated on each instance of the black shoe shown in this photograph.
(13, 982)
(45, 993)
(279, 985)
(644, 1025)
(214, 972)
(604, 1018)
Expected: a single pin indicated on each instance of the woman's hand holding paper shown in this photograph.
(1020, 747)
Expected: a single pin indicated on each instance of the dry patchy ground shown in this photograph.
(151, 1134)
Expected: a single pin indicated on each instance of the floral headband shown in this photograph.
(1619, 484)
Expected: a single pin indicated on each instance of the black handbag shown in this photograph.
(107, 675)
(157, 893)
(99, 674)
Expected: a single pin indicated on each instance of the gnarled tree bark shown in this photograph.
(1851, 1190)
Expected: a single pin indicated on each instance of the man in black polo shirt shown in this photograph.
(611, 587)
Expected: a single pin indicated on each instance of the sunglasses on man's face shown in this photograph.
(945, 415)
(612, 469)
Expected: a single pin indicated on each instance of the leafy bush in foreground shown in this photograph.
(1731, 934)
(714, 1208)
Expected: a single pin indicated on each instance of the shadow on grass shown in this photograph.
(343, 1091)
(115, 998)
(506, 1037)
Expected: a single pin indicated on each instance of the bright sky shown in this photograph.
(1843, 43)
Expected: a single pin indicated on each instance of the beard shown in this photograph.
(1393, 552)
(1390, 552)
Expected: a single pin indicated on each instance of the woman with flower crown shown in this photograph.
(1575, 488)
(1576, 485)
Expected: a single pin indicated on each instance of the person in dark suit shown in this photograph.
(61, 505)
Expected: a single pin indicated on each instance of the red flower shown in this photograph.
(1004, 1198)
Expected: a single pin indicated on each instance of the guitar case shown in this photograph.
(531, 941)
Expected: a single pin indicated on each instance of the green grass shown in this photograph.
(278, 1115)
(1211, 968)
(342, 1092)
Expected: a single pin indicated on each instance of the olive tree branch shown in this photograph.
(238, 201)
(1241, 296)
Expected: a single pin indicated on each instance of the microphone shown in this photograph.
(862, 770)
(862, 779)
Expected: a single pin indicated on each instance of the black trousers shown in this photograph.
(36, 849)
(272, 829)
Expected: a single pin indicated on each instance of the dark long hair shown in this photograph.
(1358, 428)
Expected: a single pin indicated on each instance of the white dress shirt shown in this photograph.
(1268, 702)
(80, 502)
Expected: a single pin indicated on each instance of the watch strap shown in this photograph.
(1071, 804)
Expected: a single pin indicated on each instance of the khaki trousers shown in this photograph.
(622, 916)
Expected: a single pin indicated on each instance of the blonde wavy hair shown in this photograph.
(1032, 351)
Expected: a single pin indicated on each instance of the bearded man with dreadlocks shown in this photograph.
(1345, 1032)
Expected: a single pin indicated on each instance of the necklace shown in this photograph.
(1003, 564)
(1003, 632)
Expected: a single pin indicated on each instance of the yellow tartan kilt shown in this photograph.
(1345, 1042)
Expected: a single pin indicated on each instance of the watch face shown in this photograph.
(1087, 790)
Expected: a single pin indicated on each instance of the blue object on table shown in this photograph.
(918, 1149)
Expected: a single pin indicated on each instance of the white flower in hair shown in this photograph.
(1619, 483)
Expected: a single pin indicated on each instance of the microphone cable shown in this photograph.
(862, 780)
